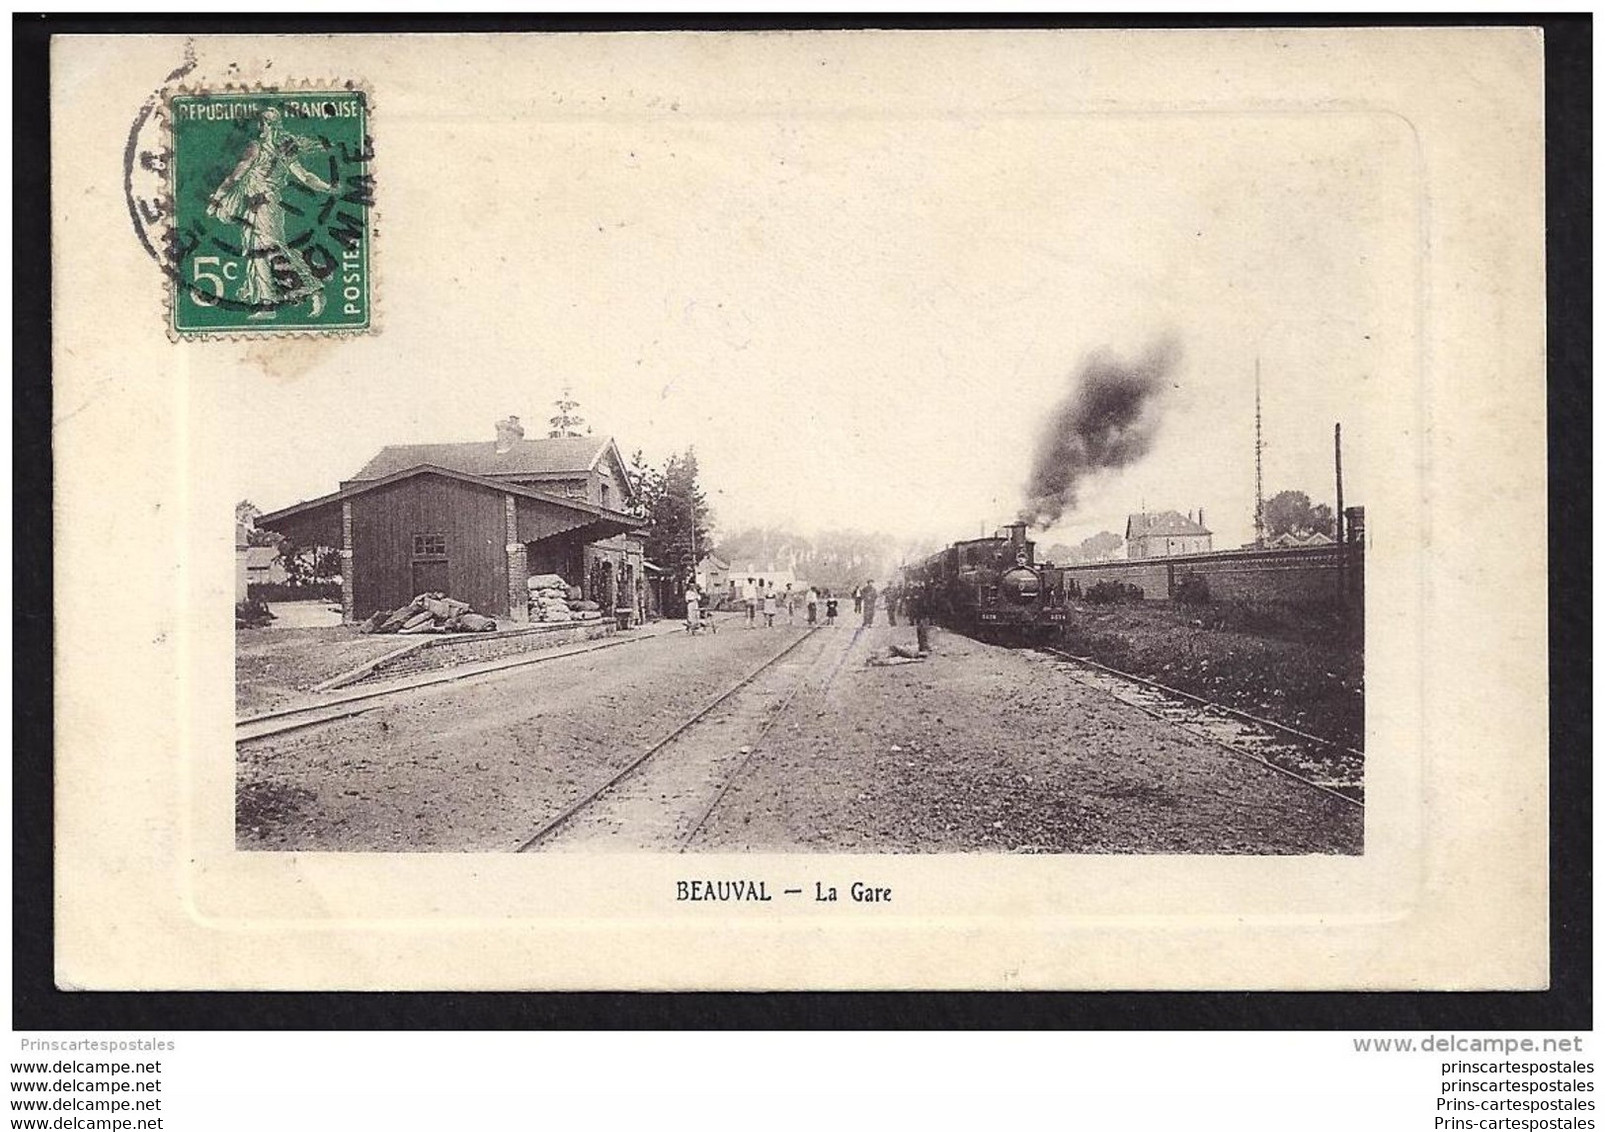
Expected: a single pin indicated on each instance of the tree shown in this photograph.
(1290, 512)
(837, 559)
(327, 564)
(568, 421)
(246, 514)
(1100, 546)
(770, 548)
(676, 510)
(298, 562)
(647, 482)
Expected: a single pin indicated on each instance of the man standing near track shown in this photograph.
(869, 596)
(693, 607)
(917, 604)
(749, 598)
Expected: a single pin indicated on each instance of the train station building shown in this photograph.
(476, 520)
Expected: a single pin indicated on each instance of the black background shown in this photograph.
(1568, 1005)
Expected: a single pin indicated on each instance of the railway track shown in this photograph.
(1318, 763)
(357, 700)
(631, 803)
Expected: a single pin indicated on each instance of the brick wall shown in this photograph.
(517, 565)
(1305, 576)
(348, 592)
(1150, 574)
(518, 581)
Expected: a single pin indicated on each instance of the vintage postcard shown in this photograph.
(801, 510)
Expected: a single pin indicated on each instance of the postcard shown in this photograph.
(801, 510)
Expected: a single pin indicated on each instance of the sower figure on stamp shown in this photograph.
(252, 197)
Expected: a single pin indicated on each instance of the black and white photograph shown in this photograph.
(934, 485)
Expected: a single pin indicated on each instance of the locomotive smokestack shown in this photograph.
(1106, 421)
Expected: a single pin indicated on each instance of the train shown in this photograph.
(992, 589)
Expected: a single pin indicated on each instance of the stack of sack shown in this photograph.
(548, 598)
(586, 610)
(429, 613)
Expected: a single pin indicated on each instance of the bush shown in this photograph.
(252, 615)
(1114, 593)
(1193, 589)
(284, 591)
(1266, 618)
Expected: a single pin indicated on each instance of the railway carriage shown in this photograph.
(992, 588)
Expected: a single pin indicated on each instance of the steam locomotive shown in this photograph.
(991, 588)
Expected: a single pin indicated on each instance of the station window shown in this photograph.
(429, 546)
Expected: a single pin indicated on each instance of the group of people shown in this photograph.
(759, 596)
(766, 598)
(866, 597)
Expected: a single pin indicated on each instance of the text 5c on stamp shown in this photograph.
(271, 200)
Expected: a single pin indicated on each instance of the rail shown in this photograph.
(1247, 736)
(586, 800)
(264, 725)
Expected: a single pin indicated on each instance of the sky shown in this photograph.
(861, 320)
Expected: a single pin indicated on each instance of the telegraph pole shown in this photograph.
(1259, 480)
(1343, 550)
(1337, 461)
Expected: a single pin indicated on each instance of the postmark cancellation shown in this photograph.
(266, 225)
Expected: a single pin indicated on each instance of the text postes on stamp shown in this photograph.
(271, 195)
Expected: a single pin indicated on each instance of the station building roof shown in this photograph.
(316, 522)
(548, 456)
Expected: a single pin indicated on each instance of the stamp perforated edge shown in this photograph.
(162, 111)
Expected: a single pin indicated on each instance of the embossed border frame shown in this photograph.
(1566, 1004)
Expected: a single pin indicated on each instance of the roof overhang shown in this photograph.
(317, 522)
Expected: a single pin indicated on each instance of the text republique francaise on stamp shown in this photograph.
(271, 194)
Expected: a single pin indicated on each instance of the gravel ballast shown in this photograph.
(977, 749)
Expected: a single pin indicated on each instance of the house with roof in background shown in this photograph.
(263, 566)
(1289, 539)
(242, 577)
(712, 575)
(475, 520)
(1165, 533)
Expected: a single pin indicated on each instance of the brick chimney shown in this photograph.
(1200, 516)
(506, 433)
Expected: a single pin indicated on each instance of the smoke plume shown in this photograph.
(1107, 420)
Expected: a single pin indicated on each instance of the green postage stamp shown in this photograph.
(271, 200)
